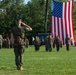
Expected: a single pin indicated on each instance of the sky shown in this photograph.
(26, 1)
(74, 0)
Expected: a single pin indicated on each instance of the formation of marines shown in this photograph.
(51, 42)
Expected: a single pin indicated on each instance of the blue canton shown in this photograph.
(57, 9)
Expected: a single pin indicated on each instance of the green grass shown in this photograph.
(40, 63)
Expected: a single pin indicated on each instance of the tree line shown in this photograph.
(32, 13)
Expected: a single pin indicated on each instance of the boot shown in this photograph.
(21, 68)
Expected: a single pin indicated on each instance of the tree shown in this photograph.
(10, 10)
(32, 13)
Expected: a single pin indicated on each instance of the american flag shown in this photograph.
(62, 20)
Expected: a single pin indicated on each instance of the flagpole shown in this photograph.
(45, 23)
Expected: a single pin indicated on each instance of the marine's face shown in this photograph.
(19, 23)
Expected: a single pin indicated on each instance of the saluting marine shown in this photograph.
(19, 43)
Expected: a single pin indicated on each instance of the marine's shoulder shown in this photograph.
(13, 29)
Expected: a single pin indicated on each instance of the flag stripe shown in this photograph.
(62, 25)
(58, 27)
(62, 31)
(69, 18)
(53, 26)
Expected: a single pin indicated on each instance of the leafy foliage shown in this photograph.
(32, 13)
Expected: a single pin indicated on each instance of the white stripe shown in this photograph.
(64, 24)
(60, 28)
(56, 26)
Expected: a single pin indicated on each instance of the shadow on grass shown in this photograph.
(4, 68)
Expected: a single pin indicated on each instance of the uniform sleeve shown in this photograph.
(12, 30)
(24, 28)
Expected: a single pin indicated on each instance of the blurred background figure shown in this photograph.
(67, 41)
(26, 42)
(7, 41)
(48, 43)
(11, 40)
(1, 41)
(61, 43)
(37, 43)
(33, 39)
(42, 40)
(57, 42)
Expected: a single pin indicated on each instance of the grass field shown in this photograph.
(40, 63)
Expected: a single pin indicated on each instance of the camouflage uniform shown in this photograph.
(1, 41)
(67, 41)
(61, 43)
(53, 43)
(18, 33)
(48, 43)
(37, 43)
(57, 42)
(26, 42)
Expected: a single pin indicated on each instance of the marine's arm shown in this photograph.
(27, 27)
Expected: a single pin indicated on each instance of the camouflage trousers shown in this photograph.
(67, 47)
(18, 51)
(48, 47)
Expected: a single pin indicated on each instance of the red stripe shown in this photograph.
(73, 19)
(54, 28)
(73, 16)
(58, 27)
(69, 19)
(50, 24)
(62, 30)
